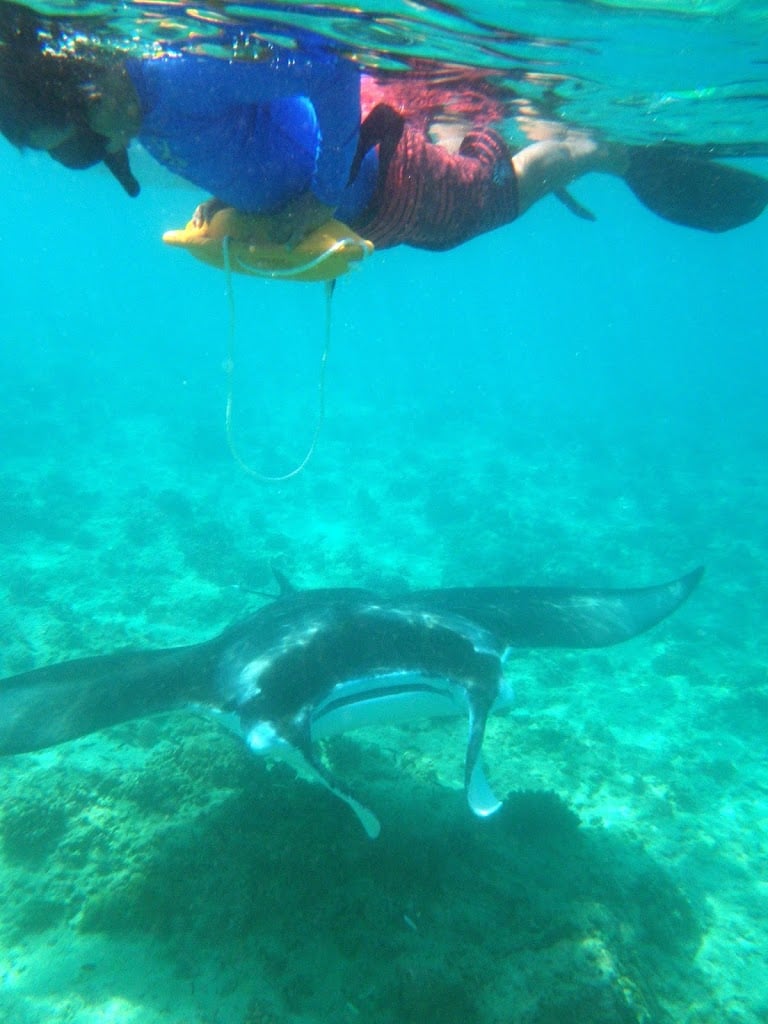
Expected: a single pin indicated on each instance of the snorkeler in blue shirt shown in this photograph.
(274, 134)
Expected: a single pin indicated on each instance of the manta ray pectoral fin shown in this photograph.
(563, 616)
(51, 705)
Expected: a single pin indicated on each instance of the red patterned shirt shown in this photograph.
(430, 198)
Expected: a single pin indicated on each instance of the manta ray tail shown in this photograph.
(52, 705)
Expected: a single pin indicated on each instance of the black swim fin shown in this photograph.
(693, 191)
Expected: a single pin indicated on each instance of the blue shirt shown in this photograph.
(257, 133)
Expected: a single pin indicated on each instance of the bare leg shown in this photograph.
(552, 164)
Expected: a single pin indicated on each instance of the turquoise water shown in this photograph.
(559, 402)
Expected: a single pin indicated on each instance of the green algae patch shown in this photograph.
(31, 829)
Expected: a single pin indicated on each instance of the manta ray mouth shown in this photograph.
(386, 699)
(403, 696)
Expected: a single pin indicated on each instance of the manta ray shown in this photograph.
(314, 663)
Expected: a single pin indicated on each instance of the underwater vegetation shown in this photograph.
(229, 860)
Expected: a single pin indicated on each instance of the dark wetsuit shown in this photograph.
(432, 199)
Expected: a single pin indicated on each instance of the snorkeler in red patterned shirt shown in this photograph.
(432, 197)
(303, 135)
